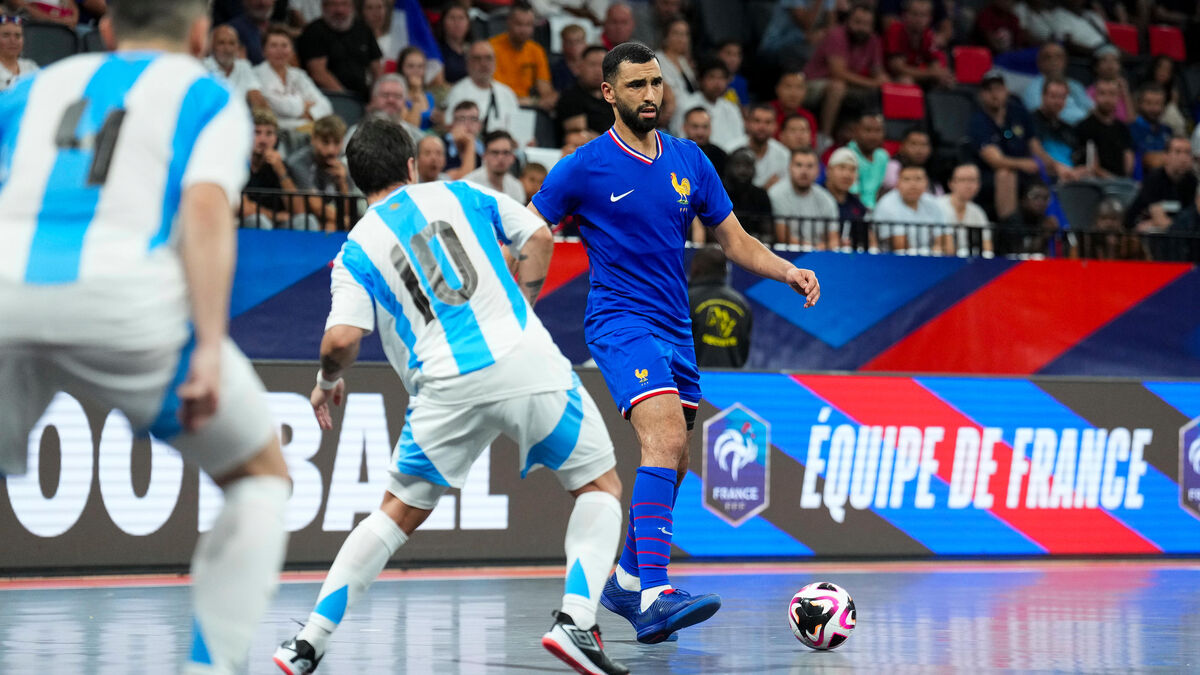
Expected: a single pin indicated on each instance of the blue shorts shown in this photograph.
(638, 365)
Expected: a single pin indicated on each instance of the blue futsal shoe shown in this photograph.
(671, 611)
(625, 603)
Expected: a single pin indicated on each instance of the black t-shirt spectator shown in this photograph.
(753, 209)
(454, 65)
(265, 179)
(348, 54)
(1111, 140)
(578, 101)
(1158, 188)
(852, 214)
(1011, 137)
(721, 323)
(715, 155)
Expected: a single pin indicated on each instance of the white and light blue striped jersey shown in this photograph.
(427, 259)
(95, 153)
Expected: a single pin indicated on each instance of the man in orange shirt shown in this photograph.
(521, 63)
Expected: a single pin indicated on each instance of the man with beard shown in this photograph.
(848, 60)
(637, 190)
(238, 73)
(340, 51)
(727, 130)
(319, 169)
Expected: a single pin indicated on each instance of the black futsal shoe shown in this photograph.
(296, 657)
(581, 649)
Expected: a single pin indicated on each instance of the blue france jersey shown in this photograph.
(636, 213)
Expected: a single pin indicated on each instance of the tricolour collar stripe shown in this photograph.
(634, 153)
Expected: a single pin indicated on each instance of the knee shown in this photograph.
(836, 88)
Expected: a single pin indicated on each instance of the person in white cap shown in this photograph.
(840, 175)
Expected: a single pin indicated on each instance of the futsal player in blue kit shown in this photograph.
(637, 190)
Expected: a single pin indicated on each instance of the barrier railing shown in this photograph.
(267, 209)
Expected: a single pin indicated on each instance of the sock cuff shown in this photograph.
(382, 526)
(659, 472)
(601, 499)
(259, 489)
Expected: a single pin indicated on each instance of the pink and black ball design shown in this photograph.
(822, 615)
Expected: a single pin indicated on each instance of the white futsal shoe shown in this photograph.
(296, 657)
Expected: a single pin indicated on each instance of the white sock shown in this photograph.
(649, 595)
(235, 570)
(360, 560)
(593, 535)
(628, 581)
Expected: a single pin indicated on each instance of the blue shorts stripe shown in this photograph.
(484, 216)
(167, 424)
(356, 261)
(413, 460)
(69, 205)
(555, 448)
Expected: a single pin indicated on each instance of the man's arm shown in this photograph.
(1129, 159)
(998, 160)
(839, 71)
(533, 262)
(318, 70)
(750, 254)
(339, 349)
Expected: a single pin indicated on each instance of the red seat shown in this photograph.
(903, 102)
(1124, 36)
(971, 63)
(891, 147)
(1167, 40)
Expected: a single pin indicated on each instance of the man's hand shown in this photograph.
(461, 135)
(198, 394)
(805, 283)
(320, 402)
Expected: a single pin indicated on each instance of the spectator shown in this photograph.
(795, 133)
(721, 317)
(785, 41)
(1052, 63)
(804, 212)
(389, 99)
(1081, 30)
(728, 132)
(532, 176)
(1187, 224)
(1150, 136)
(675, 58)
(1036, 20)
(431, 159)
(750, 202)
(495, 100)
(651, 20)
(590, 10)
(305, 11)
(454, 37)
(61, 12)
(618, 25)
(1112, 241)
(318, 169)
(697, 127)
(252, 27)
(915, 148)
(12, 42)
(1000, 130)
(971, 234)
(998, 27)
(848, 60)
(1105, 145)
(237, 72)
(1108, 67)
(261, 208)
(909, 210)
(521, 63)
(867, 147)
(464, 149)
(499, 154)
(420, 111)
(339, 51)
(583, 105)
(1166, 192)
(790, 92)
(293, 97)
(771, 159)
(1054, 141)
(892, 11)
(912, 53)
(1032, 227)
(1162, 72)
(841, 177)
(730, 53)
(565, 71)
(377, 14)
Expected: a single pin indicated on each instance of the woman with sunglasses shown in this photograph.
(12, 41)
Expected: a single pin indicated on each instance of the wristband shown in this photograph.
(324, 384)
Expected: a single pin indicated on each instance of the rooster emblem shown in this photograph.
(1194, 455)
(735, 449)
(642, 375)
(684, 188)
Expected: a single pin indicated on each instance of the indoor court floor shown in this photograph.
(942, 617)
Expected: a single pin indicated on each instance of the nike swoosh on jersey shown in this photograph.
(616, 198)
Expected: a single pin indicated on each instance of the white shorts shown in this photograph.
(560, 430)
(140, 383)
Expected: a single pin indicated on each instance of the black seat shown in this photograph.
(949, 114)
(719, 20)
(1080, 202)
(346, 106)
(46, 43)
(93, 42)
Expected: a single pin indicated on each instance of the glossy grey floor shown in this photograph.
(927, 618)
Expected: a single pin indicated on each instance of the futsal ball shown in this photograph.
(822, 615)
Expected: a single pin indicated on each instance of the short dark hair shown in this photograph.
(378, 155)
(696, 109)
(498, 135)
(914, 129)
(463, 105)
(708, 265)
(154, 18)
(861, 6)
(805, 151)
(725, 43)
(1150, 88)
(906, 165)
(626, 52)
(520, 6)
(795, 116)
(276, 29)
(759, 107)
(591, 49)
(1055, 80)
(711, 64)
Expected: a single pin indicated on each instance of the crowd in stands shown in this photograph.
(1055, 127)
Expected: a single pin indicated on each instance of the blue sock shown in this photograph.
(628, 560)
(653, 492)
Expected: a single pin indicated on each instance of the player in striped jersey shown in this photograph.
(117, 176)
(476, 361)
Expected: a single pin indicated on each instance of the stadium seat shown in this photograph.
(970, 64)
(903, 102)
(346, 106)
(1167, 40)
(1080, 202)
(719, 20)
(93, 42)
(1124, 36)
(949, 115)
(46, 43)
